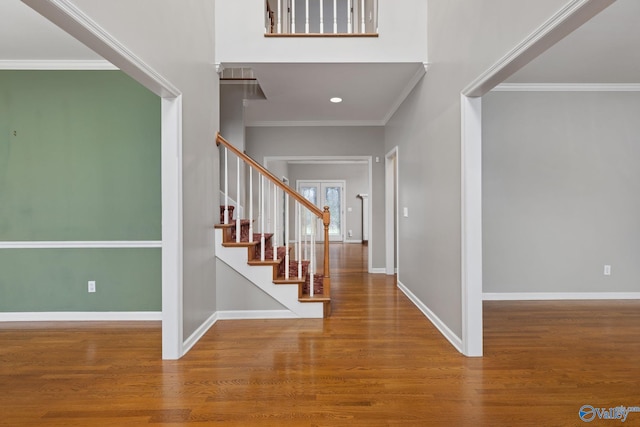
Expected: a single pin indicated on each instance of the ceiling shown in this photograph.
(605, 50)
(300, 93)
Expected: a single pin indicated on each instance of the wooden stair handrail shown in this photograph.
(307, 204)
(324, 215)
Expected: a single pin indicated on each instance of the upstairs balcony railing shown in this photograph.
(321, 18)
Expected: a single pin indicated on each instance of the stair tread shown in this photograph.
(239, 244)
(289, 281)
(314, 298)
(265, 262)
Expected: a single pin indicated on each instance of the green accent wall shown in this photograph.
(79, 161)
(56, 279)
(84, 163)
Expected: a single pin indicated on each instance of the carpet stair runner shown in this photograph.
(279, 267)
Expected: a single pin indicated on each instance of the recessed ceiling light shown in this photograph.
(336, 100)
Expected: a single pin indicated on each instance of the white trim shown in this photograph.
(55, 64)
(413, 81)
(567, 87)
(540, 296)
(319, 159)
(106, 244)
(391, 211)
(81, 316)
(570, 17)
(199, 333)
(378, 270)
(352, 241)
(439, 324)
(172, 240)
(256, 314)
(327, 162)
(371, 240)
(312, 123)
(471, 224)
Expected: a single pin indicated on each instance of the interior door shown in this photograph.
(325, 193)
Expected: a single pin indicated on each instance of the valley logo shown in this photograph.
(588, 413)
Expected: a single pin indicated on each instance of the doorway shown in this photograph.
(325, 193)
(391, 212)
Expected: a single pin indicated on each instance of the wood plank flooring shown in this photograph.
(376, 362)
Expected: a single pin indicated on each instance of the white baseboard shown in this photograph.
(199, 333)
(256, 314)
(539, 296)
(439, 324)
(352, 241)
(80, 316)
(378, 270)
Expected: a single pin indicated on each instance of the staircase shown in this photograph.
(279, 270)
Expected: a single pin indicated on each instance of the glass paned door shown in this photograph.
(325, 193)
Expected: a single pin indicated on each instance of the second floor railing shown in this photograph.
(321, 17)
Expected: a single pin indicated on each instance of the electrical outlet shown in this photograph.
(607, 270)
(91, 286)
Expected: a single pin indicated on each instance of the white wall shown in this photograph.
(240, 37)
(330, 141)
(466, 37)
(561, 191)
(177, 40)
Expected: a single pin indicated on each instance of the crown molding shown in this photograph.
(567, 87)
(316, 123)
(570, 17)
(421, 71)
(47, 64)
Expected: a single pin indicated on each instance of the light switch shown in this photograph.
(405, 212)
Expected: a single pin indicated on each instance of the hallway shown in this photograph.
(377, 361)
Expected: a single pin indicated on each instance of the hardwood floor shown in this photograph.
(376, 362)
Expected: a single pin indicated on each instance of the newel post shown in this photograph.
(326, 220)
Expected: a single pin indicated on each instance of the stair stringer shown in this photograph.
(262, 277)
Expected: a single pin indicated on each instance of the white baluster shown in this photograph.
(279, 17)
(237, 198)
(226, 186)
(349, 16)
(293, 16)
(261, 217)
(335, 16)
(306, 235)
(299, 239)
(312, 263)
(251, 205)
(321, 16)
(306, 17)
(362, 15)
(275, 223)
(286, 236)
